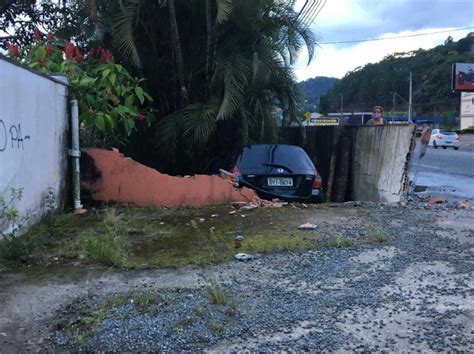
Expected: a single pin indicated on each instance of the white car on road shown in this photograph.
(444, 138)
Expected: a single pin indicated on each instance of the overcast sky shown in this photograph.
(343, 20)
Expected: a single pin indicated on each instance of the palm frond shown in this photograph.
(224, 8)
(199, 122)
(167, 132)
(236, 71)
(123, 31)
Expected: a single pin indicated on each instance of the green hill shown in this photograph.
(374, 84)
(312, 89)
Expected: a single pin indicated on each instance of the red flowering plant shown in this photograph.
(111, 100)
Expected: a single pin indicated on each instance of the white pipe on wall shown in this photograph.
(75, 153)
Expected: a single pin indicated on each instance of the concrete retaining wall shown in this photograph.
(379, 159)
(33, 138)
(368, 163)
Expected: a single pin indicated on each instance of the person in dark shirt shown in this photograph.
(377, 116)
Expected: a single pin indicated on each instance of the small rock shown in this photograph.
(243, 257)
(307, 226)
(202, 220)
(239, 238)
(247, 208)
(214, 216)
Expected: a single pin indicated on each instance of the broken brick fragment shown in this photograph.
(464, 204)
(437, 199)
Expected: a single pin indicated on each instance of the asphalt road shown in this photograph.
(446, 172)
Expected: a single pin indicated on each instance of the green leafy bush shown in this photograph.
(111, 100)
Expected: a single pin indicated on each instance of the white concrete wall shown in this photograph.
(379, 162)
(33, 137)
(467, 110)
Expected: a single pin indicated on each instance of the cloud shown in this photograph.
(334, 61)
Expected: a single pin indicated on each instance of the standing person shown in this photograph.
(377, 116)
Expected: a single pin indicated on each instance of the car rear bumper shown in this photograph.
(316, 195)
(448, 143)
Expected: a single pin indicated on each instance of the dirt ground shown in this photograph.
(410, 290)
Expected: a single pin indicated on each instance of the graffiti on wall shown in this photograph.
(11, 136)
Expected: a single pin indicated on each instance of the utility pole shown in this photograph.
(410, 99)
(393, 106)
(342, 107)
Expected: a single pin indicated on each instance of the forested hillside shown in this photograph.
(374, 84)
(314, 88)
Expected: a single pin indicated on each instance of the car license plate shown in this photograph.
(280, 182)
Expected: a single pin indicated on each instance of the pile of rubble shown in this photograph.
(437, 202)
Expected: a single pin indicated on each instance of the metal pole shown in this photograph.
(75, 153)
(342, 110)
(393, 106)
(410, 99)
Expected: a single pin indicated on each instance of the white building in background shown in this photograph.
(467, 110)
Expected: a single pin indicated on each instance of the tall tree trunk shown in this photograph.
(209, 41)
(177, 50)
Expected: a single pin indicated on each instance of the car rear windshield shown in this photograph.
(292, 157)
(447, 132)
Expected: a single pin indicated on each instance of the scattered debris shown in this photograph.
(239, 238)
(202, 220)
(214, 216)
(307, 226)
(243, 257)
(243, 215)
(232, 212)
(248, 207)
(238, 205)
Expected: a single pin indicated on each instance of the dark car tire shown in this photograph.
(456, 148)
(435, 145)
(445, 147)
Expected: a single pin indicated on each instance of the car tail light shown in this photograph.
(317, 182)
(457, 137)
(439, 136)
(235, 170)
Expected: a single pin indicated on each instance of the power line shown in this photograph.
(396, 37)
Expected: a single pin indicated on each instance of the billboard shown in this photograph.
(463, 77)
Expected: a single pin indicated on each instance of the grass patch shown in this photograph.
(108, 249)
(111, 246)
(376, 235)
(141, 238)
(218, 296)
(340, 242)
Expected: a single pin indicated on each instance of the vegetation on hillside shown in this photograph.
(374, 84)
(313, 89)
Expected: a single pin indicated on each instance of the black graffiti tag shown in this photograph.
(16, 136)
(3, 136)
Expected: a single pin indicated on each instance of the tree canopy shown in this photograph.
(216, 69)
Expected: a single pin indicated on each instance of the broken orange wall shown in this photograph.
(123, 180)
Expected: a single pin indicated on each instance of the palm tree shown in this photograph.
(227, 63)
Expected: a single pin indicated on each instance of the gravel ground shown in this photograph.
(414, 292)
